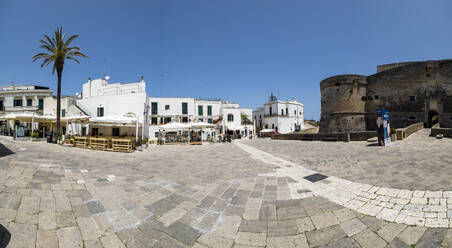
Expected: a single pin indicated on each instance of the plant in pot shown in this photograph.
(34, 136)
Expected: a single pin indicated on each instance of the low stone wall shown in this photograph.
(436, 129)
(346, 137)
(403, 133)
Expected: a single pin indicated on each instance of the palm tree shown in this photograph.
(57, 50)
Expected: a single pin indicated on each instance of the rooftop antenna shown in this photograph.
(105, 68)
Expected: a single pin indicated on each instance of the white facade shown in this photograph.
(28, 98)
(101, 98)
(188, 110)
(282, 116)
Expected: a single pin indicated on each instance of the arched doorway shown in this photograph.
(432, 118)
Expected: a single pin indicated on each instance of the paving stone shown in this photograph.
(95, 207)
(47, 220)
(344, 214)
(112, 241)
(373, 223)
(193, 216)
(325, 235)
(345, 243)
(368, 239)
(432, 237)
(390, 231)
(173, 215)
(220, 205)
(447, 241)
(290, 213)
(352, 227)
(207, 202)
(65, 219)
(282, 228)
(397, 243)
(88, 228)
(46, 239)
(134, 238)
(304, 224)
(267, 212)
(183, 233)
(22, 235)
(93, 244)
(208, 221)
(253, 226)
(228, 227)
(69, 237)
(213, 241)
(324, 220)
(252, 239)
(295, 241)
(411, 234)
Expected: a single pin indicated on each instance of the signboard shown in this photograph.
(384, 127)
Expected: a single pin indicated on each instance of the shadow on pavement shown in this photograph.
(5, 236)
(4, 151)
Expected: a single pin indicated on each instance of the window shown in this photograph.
(115, 131)
(266, 125)
(167, 120)
(95, 131)
(184, 119)
(412, 98)
(154, 107)
(287, 111)
(209, 120)
(17, 102)
(294, 112)
(100, 111)
(376, 97)
(63, 112)
(282, 111)
(200, 110)
(41, 104)
(260, 116)
(2, 107)
(270, 110)
(156, 134)
(209, 110)
(364, 98)
(29, 102)
(200, 119)
(166, 107)
(153, 121)
(184, 108)
(230, 117)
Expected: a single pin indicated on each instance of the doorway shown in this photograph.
(432, 118)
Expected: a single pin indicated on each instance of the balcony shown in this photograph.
(22, 108)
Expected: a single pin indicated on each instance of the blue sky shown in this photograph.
(239, 50)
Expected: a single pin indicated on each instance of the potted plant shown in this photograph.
(34, 136)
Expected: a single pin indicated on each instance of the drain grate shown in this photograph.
(315, 177)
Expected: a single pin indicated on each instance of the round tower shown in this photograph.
(343, 103)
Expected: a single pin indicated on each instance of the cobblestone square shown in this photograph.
(250, 193)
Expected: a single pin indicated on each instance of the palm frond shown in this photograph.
(72, 58)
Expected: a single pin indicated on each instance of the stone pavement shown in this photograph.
(179, 196)
(419, 162)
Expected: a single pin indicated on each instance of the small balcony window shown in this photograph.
(412, 98)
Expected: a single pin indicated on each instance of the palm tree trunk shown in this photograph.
(59, 72)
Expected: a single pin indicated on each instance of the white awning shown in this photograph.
(202, 125)
(267, 131)
(113, 119)
(175, 126)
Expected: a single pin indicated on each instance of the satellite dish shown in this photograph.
(107, 78)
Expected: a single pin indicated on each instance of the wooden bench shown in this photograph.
(98, 144)
(82, 142)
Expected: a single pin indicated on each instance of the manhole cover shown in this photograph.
(315, 177)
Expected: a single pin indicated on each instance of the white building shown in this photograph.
(227, 116)
(281, 116)
(18, 100)
(100, 98)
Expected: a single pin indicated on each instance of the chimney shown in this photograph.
(89, 79)
(142, 79)
(12, 84)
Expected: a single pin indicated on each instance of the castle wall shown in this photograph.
(412, 92)
(342, 105)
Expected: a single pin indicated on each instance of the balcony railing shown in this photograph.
(21, 108)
